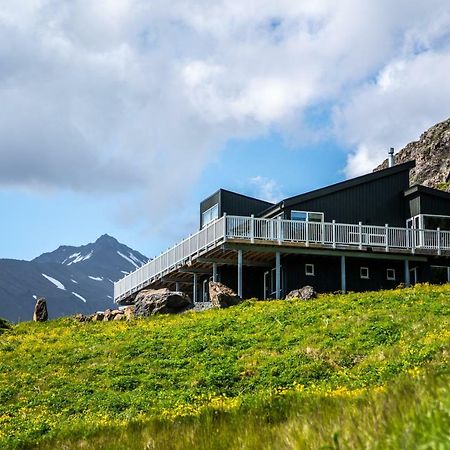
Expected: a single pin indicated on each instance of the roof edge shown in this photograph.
(353, 182)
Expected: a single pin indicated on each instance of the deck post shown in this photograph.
(387, 237)
(177, 286)
(360, 235)
(439, 241)
(252, 229)
(277, 275)
(343, 275)
(334, 233)
(194, 292)
(225, 227)
(214, 271)
(407, 277)
(240, 273)
(280, 238)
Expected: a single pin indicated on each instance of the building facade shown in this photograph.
(367, 233)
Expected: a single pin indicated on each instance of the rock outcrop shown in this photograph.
(222, 296)
(305, 293)
(161, 301)
(432, 155)
(40, 310)
(4, 325)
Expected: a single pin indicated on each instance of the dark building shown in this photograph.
(367, 233)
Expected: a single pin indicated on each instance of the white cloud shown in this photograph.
(409, 95)
(266, 189)
(131, 96)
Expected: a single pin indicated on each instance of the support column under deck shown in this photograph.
(215, 272)
(177, 286)
(278, 275)
(343, 275)
(240, 273)
(194, 289)
(407, 274)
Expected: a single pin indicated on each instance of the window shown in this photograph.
(210, 214)
(307, 216)
(364, 272)
(309, 269)
(390, 274)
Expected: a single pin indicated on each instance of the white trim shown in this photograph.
(364, 277)
(311, 271)
(391, 277)
(213, 212)
(307, 215)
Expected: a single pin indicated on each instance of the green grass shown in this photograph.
(352, 371)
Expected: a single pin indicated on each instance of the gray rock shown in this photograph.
(432, 156)
(305, 293)
(97, 317)
(40, 310)
(222, 296)
(82, 318)
(162, 301)
(108, 315)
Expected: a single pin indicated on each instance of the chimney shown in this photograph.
(391, 158)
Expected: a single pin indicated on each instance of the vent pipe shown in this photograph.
(391, 158)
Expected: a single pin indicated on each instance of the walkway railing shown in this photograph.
(175, 257)
(252, 229)
(334, 234)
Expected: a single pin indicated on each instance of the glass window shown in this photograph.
(210, 214)
(299, 215)
(364, 272)
(315, 217)
(307, 216)
(435, 222)
(390, 274)
(309, 269)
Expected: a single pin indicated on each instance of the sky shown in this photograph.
(120, 116)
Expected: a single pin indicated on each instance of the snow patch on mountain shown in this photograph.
(79, 257)
(128, 259)
(57, 283)
(79, 296)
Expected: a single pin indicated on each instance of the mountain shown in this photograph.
(432, 155)
(72, 279)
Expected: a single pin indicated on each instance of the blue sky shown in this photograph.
(119, 116)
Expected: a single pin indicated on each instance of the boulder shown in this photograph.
(82, 318)
(97, 317)
(129, 312)
(305, 293)
(40, 310)
(108, 315)
(222, 296)
(162, 301)
(120, 316)
(4, 325)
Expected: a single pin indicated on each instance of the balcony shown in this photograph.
(256, 231)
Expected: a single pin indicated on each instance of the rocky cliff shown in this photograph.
(432, 155)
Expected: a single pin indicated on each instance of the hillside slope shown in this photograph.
(72, 279)
(65, 379)
(432, 155)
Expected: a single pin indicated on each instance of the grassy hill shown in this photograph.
(351, 371)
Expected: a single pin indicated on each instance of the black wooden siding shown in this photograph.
(232, 203)
(429, 204)
(377, 202)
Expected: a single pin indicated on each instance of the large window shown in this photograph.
(210, 214)
(429, 222)
(307, 216)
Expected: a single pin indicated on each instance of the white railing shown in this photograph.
(177, 256)
(325, 234)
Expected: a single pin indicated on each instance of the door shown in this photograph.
(413, 275)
